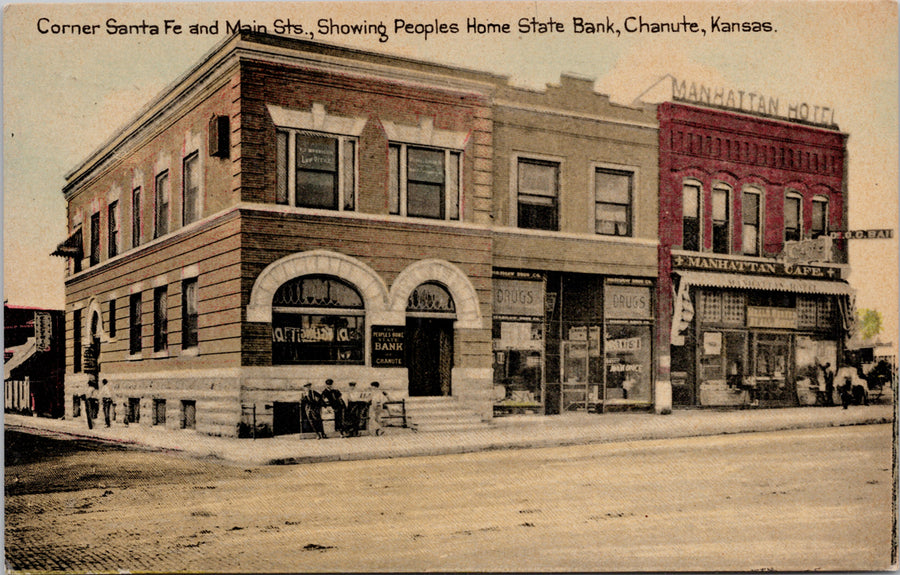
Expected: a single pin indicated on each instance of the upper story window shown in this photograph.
(316, 157)
(690, 216)
(161, 220)
(136, 217)
(134, 323)
(316, 170)
(612, 202)
(191, 189)
(819, 217)
(95, 239)
(793, 230)
(750, 210)
(424, 182)
(112, 235)
(721, 219)
(160, 319)
(538, 194)
(189, 316)
(317, 320)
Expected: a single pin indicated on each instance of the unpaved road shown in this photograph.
(787, 501)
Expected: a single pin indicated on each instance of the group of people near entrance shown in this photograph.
(351, 410)
(823, 380)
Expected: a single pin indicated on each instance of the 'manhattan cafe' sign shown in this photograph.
(752, 102)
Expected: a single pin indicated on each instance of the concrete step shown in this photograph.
(441, 414)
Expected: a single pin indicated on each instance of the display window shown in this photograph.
(518, 359)
(628, 362)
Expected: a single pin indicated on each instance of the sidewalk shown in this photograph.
(504, 433)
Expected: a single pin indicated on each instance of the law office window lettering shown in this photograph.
(318, 320)
(315, 170)
(424, 182)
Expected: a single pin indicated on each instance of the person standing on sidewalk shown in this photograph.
(331, 396)
(311, 406)
(356, 409)
(376, 405)
(107, 402)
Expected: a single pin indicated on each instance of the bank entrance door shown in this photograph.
(773, 369)
(429, 345)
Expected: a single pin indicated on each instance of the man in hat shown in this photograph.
(311, 406)
(331, 396)
(356, 410)
(376, 405)
(107, 402)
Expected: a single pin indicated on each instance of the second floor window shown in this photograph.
(162, 205)
(690, 218)
(538, 195)
(315, 170)
(135, 217)
(819, 218)
(112, 318)
(612, 202)
(721, 222)
(191, 206)
(134, 323)
(95, 239)
(750, 221)
(112, 235)
(424, 182)
(189, 315)
(792, 230)
(160, 319)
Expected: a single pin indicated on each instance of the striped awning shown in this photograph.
(766, 283)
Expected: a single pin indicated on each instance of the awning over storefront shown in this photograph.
(20, 355)
(767, 283)
(71, 248)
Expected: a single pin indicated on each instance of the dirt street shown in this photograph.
(797, 500)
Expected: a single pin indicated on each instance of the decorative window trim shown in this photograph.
(316, 120)
(425, 134)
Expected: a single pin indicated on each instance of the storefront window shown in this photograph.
(317, 320)
(518, 343)
(628, 362)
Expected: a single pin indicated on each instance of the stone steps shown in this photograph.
(429, 414)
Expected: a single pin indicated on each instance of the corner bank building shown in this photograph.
(289, 212)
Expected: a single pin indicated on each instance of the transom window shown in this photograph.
(318, 319)
(612, 207)
(430, 298)
(538, 194)
(316, 170)
(424, 182)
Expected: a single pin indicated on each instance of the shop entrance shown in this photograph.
(429, 345)
(772, 369)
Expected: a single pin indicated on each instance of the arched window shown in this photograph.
(690, 218)
(721, 218)
(318, 319)
(819, 226)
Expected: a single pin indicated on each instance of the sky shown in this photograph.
(65, 92)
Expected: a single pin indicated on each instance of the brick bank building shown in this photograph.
(751, 289)
(289, 211)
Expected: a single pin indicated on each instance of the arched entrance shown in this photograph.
(430, 315)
